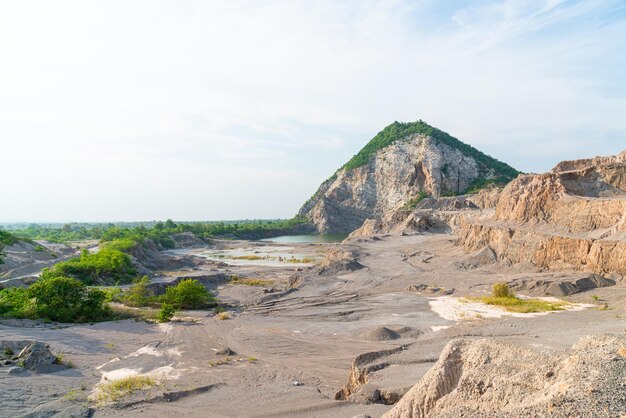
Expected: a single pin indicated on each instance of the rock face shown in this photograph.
(572, 217)
(401, 162)
(476, 378)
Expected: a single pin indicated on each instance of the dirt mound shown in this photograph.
(475, 378)
(338, 260)
(381, 334)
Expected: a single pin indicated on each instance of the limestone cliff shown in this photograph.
(571, 217)
(403, 161)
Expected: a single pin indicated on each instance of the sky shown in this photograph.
(211, 110)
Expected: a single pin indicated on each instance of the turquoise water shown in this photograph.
(307, 239)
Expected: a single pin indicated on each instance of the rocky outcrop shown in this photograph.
(29, 355)
(476, 378)
(572, 217)
(402, 162)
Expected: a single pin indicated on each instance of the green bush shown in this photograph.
(138, 294)
(166, 313)
(62, 299)
(188, 294)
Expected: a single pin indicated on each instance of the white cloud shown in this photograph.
(210, 109)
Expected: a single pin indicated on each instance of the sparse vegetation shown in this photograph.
(222, 316)
(247, 257)
(412, 203)
(118, 389)
(249, 281)
(595, 298)
(60, 359)
(303, 260)
(502, 296)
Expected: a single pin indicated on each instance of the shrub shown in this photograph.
(138, 294)
(120, 388)
(234, 279)
(58, 299)
(66, 299)
(166, 313)
(222, 316)
(188, 294)
(502, 290)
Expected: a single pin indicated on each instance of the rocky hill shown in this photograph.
(571, 217)
(403, 162)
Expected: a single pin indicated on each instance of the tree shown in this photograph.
(2, 254)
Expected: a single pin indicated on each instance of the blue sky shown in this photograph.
(194, 110)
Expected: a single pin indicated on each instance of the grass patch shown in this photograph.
(60, 359)
(503, 296)
(246, 281)
(304, 260)
(139, 314)
(118, 389)
(515, 304)
(247, 257)
(219, 362)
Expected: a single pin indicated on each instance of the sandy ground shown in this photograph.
(309, 335)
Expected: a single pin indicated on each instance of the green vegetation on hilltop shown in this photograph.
(399, 130)
(109, 265)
